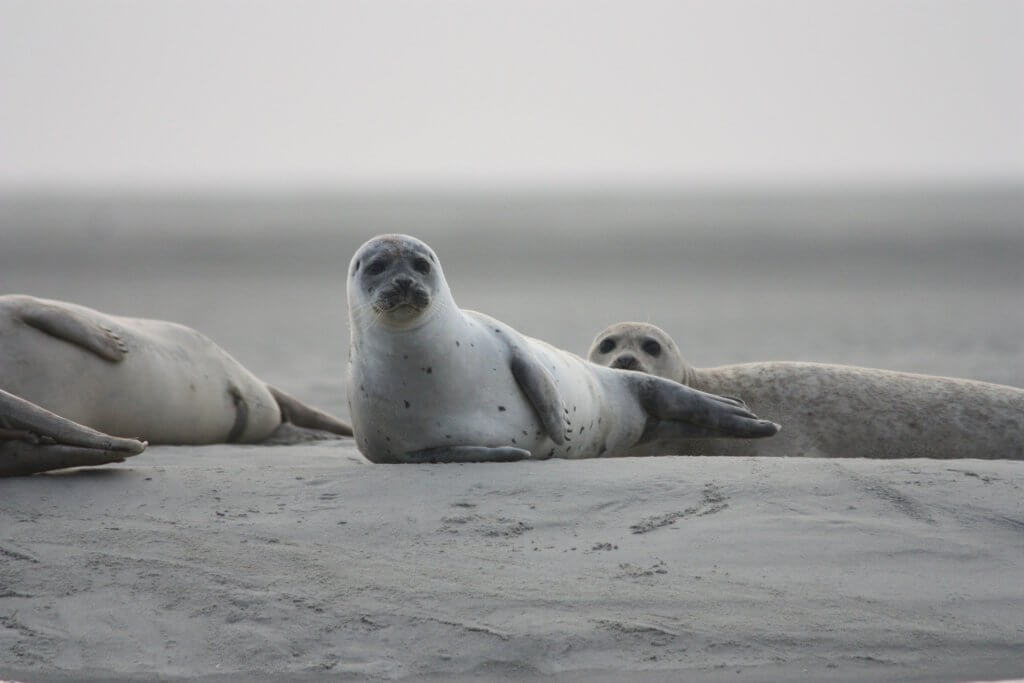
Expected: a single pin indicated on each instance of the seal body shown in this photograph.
(430, 382)
(131, 377)
(837, 411)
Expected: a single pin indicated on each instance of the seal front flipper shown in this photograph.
(695, 413)
(540, 389)
(465, 454)
(75, 328)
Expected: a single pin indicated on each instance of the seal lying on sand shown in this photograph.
(149, 379)
(836, 411)
(35, 440)
(431, 383)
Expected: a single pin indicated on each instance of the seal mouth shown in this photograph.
(628, 362)
(402, 298)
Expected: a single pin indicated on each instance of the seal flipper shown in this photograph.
(465, 454)
(75, 328)
(693, 413)
(298, 413)
(540, 389)
(33, 439)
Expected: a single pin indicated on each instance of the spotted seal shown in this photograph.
(836, 411)
(428, 382)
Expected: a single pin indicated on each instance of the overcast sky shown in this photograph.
(449, 92)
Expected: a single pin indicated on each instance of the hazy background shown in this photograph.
(839, 181)
(202, 94)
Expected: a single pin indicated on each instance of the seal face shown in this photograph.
(835, 411)
(429, 382)
(638, 346)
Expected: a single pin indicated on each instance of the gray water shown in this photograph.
(925, 281)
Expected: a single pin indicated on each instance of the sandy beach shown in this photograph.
(307, 562)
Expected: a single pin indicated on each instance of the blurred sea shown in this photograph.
(924, 281)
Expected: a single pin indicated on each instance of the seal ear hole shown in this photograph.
(651, 348)
(607, 346)
(356, 269)
(421, 265)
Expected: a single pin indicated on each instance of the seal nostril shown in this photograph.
(626, 362)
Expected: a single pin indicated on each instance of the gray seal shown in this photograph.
(428, 382)
(836, 411)
(131, 377)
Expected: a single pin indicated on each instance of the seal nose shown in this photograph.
(404, 283)
(626, 362)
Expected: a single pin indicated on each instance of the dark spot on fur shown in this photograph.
(497, 330)
(551, 452)
(430, 370)
(526, 433)
(514, 440)
(405, 357)
(501, 409)
(406, 404)
(457, 343)
(447, 436)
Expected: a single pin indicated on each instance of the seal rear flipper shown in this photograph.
(22, 458)
(465, 454)
(74, 328)
(301, 415)
(540, 390)
(19, 417)
(33, 439)
(701, 414)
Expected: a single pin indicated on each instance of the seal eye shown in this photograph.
(606, 346)
(375, 268)
(421, 265)
(651, 347)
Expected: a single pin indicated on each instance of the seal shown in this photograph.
(428, 382)
(35, 440)
(130, 377)
(836, 411)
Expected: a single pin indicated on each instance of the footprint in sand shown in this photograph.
(712, 501)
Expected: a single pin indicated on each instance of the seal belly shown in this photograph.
(457, 393)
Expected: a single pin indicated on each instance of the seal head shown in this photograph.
(641, 347)
(395, 280)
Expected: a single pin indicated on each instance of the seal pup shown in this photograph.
(35, 440)
(836, 411)
(428, 382)
(151, 379)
